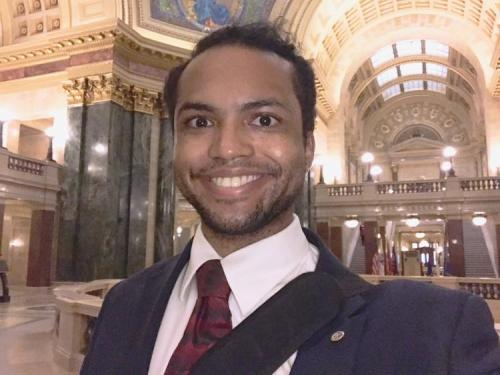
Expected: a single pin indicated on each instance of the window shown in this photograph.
(436, 49)
(411, 68)
(413, 85)
(387, 75)
(391, 91)
(436, 70)
(382, 55)
(436, 86)
(409, 47)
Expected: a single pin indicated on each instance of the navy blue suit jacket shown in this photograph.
(397, 328)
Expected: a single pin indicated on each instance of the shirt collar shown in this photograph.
(255, 270)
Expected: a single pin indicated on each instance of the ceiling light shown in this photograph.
(412, 221)
(420, 235)
(479, 218)
(351, 222)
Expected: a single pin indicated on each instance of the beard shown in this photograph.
(279, 199)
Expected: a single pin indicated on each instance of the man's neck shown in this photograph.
(226, 244)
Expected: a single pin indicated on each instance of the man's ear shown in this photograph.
(310, 146)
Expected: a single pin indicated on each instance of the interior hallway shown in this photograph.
(26, 326)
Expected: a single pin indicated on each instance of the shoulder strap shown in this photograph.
(270, 335)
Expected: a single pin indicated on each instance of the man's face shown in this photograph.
(240, 156)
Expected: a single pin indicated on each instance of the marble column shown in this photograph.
(164, 244)
(454, 238)
(2, 214)
(40, 248)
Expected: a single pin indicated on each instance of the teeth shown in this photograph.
(233, 182)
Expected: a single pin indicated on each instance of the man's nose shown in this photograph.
(231, 141)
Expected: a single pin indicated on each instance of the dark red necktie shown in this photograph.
(210, 320)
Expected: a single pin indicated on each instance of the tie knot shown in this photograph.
(212, 281)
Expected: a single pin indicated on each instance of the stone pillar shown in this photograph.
(497, 227)
(369, 233)
(492, 127)
(40, 248)
(164, 244)
(454, 238)
(335, 165)
(2, 214)
(106, 180)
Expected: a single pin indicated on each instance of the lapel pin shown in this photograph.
(337, 336)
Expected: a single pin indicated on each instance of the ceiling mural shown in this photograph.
(207, 15)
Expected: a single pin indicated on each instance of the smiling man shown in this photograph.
(254, 293)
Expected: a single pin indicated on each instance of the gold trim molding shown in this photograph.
(108, 87)
(119, 35)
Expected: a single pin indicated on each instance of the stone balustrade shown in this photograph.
(454, 196)
(77, 308)
(79, 305)
(28, 179)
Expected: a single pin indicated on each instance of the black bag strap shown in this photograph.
(268, 337)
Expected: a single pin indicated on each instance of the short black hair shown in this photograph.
(261, 36)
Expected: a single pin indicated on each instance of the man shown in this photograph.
(253, 293)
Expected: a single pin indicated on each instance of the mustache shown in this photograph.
(214, 165)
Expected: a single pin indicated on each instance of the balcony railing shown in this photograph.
(23, 178)
(452, 196)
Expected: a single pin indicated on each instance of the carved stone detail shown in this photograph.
(93, 89)
(449, 126)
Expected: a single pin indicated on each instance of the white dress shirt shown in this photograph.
(254, 273)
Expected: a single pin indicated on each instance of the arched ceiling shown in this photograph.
(335, 35)
(410, 66)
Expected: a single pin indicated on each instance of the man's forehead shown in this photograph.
(235, 57)
(236, 68)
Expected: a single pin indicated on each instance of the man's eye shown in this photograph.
(199, 122)
(264, 121)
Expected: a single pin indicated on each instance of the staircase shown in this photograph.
(358, 258)
(477, 259)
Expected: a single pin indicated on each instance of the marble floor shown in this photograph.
(26, 325)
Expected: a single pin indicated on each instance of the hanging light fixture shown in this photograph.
(479, 218)
(420, 235)
(351, 222)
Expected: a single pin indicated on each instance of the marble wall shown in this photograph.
(105, 193)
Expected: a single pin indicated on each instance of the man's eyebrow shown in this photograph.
(263, 103)
(197, 106)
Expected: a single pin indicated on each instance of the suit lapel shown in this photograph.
(156, 293)
(322, 354)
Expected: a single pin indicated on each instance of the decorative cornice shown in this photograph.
(133, 50)
(121, 37)
(321, 99)
(109, 87)
(55, 50)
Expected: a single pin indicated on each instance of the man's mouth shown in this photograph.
(233, 182)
